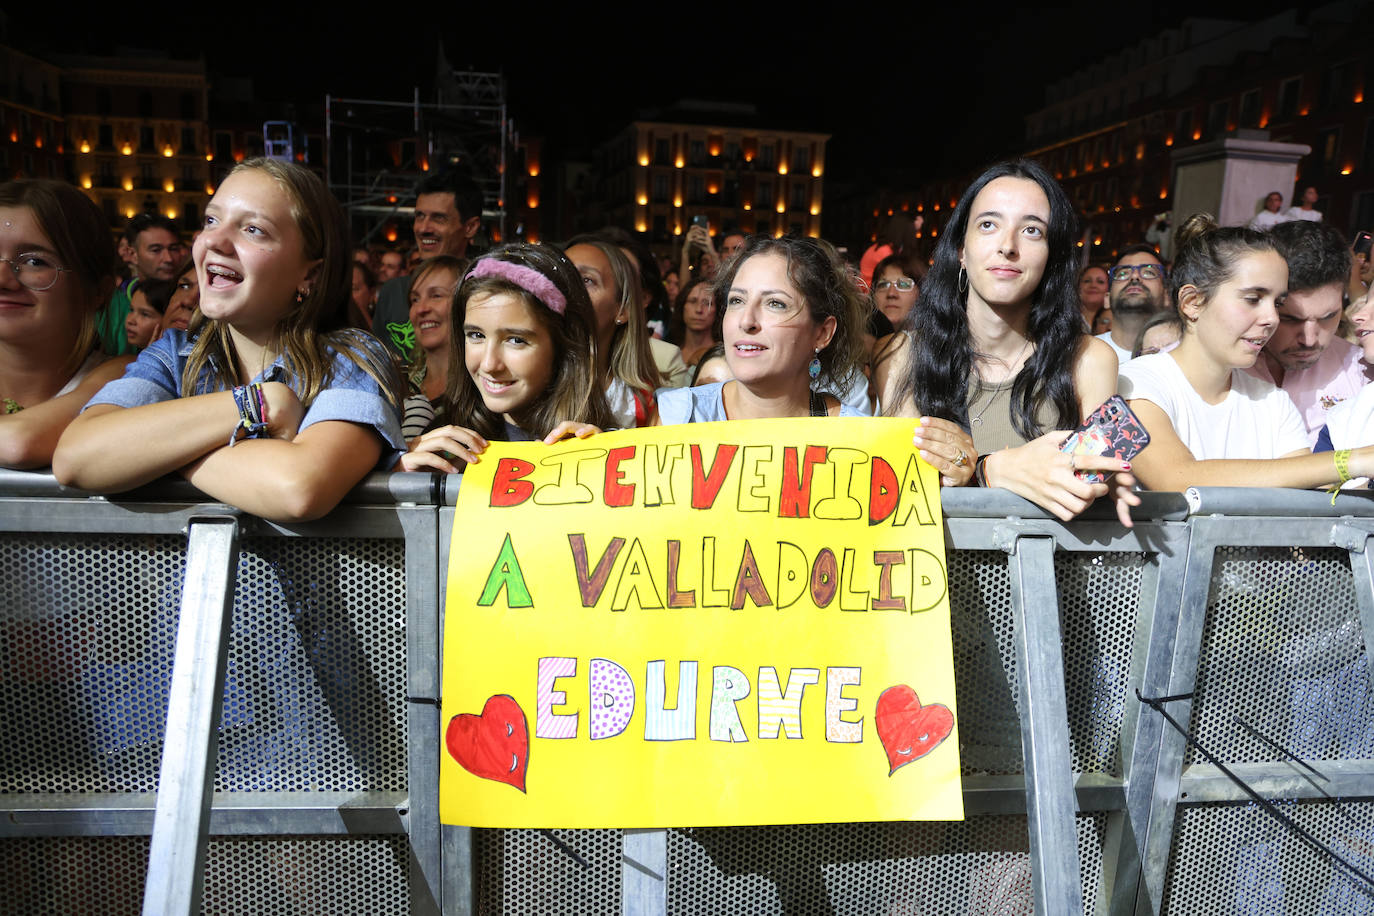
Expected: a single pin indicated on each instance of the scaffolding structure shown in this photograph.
(378, 150)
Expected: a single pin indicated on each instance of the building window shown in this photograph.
(1185, 124)
(732, 152)
(798, 196)
(1328, 150)
(145, 140)
(224, 145)
(1217, 116)
(697, 152)
(1364, 208)
(801, 158)
(1250, 109)
(765, 199)
(145, 176)
(188, 141)
(696, 190)
(768, 155)
(663, 151)
(660, 189)
(1336, 86)
(188, 107)
(190, 215)
(1289, 93)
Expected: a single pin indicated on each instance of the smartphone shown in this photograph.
(1361, 246)
(1112, 430)
(700, 220)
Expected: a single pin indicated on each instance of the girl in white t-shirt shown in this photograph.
(1211, 424)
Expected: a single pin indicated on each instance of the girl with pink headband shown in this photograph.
(523, 360)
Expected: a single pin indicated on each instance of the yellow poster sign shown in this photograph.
(717, 623)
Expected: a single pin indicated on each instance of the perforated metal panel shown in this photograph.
(87, 625)
(314, 697)
(1098, 600)
(1283, 649)
(103, 876)
(980, 866)
(526, 872)
(1235, 859)
(981, 628)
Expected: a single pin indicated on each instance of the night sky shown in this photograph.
(934, 92)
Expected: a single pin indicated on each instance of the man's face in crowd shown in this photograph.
(1309, 197)
(1132, 292)
(731, 244)
(1307, 323)
(158, 254)
(1273, 202)
(440, 228)
(390, 267)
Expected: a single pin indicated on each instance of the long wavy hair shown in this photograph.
(943, 350)
(80, 239)
(823, 281)
(631, 359)
(574, 392)
(316, 326)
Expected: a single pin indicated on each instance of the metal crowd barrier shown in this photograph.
(151, 639)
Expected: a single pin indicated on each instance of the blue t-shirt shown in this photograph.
(706, 403)
(352, 395)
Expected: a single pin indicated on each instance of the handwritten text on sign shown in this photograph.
(704, 624)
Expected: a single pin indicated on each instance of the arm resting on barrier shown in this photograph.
(292, 476)
(298, 480)
(1167, 464)
(29, 437)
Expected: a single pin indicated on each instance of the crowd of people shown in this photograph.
(280, 363)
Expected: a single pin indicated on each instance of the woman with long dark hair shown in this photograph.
(999, 345)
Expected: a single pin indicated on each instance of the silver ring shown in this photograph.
(962, 460)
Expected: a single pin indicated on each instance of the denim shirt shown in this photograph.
(352, 394)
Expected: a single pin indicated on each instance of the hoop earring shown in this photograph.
(963, 279)
(813, 368)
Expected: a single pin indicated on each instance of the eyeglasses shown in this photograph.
(34, 271)
(905, 284)
(1143, 271)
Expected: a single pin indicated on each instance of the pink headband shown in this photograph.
(527, 278)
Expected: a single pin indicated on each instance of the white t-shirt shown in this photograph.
(1255, 420)
(1266, 219)
(1312, 216)
(1123, 355)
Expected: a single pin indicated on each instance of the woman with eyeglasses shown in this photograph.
(896, 286)
(58, 271)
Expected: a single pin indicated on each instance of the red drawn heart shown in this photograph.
(494, 745)
(907, 729)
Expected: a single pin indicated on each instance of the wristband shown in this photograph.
(1342, 459)
(980, 472)
(249, 420)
